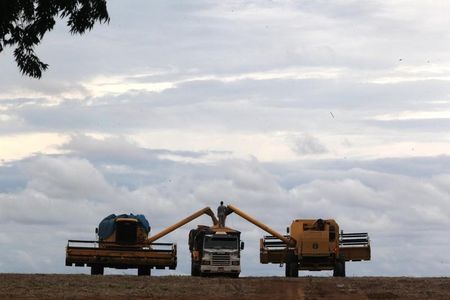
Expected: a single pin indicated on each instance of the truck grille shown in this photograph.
(221, 259)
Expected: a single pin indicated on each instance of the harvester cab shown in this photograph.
(315, 237)
(123, 230)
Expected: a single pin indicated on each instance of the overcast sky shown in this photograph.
(286, 109)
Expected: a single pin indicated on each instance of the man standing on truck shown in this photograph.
(222, 212)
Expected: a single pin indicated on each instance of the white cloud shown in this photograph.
(414, 115)
(14, 147)
(269, 146)
(71, 195)
(174, 106)
(305, 144)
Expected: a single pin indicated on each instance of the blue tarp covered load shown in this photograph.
(108, 224)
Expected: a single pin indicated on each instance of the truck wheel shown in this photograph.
(339, 268)
(97, 270)
(291, 265)
(144, 271)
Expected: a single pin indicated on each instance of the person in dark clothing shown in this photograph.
(320, 224)
(222, 214)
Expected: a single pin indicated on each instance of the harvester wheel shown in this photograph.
(339, 268)
(291, 265)
(144, 271)
(97, 270)
(195, 269)
(292, 269)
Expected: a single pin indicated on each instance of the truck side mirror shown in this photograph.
(242, 245)
(287, 229)
(96, 230)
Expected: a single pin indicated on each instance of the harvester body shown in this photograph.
(310, 244)
(319, 245)
(121, 244)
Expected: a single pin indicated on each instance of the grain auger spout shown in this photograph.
(207, 211)
(289, 241)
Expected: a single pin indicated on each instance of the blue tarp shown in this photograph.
(108, 224)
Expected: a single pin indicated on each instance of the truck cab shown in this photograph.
(215, 251)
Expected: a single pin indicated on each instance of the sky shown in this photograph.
(286, 109)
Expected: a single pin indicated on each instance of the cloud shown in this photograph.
(305, 144)
(69, 194)
(175, 106)
(19, 146)
(54, 192)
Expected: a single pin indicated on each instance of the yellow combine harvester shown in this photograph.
(123, 243)
(312, 245)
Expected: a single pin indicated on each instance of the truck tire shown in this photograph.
(291, 265)
(144, 271)
(339, 268)
(195, 269)
(97, 270)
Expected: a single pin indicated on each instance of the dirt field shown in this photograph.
(181, 287)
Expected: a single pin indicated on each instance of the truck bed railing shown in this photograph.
(360, 239)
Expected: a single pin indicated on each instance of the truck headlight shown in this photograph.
(235, 263)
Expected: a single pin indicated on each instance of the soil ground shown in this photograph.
(39, 286)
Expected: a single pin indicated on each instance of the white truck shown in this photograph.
(215, 251)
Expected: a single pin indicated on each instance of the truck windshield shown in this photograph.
(220, 243)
